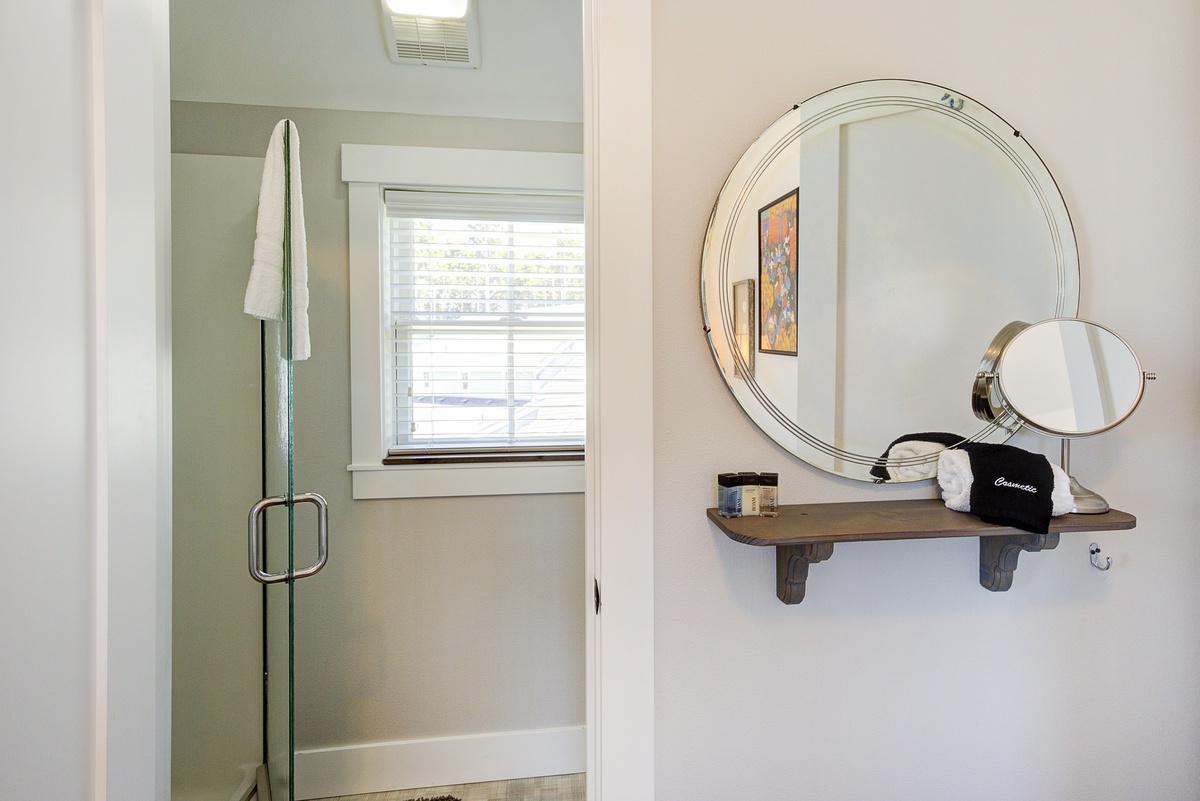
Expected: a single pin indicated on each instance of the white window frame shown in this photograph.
(368, 170)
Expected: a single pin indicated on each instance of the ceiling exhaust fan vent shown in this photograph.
(432, 42)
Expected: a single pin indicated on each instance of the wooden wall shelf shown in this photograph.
(806, 533)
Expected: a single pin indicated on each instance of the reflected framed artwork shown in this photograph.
(777, 275)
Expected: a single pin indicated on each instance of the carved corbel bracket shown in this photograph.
(998, 556)
(791, 568)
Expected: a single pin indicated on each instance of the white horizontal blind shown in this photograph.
(485, 314)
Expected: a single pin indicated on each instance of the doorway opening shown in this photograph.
(439, 623)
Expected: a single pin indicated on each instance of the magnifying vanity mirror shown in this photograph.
(859, 252)
(1065, 378)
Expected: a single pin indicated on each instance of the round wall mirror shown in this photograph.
(1065, 378)
(858, 255)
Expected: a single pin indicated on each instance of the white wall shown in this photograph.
(85, 578)
(898, 676)
(45, 578)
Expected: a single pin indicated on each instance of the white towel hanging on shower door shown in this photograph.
(264, 292)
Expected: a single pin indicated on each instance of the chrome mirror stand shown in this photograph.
(1086, 501)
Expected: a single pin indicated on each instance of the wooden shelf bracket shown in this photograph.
(791, 568)
(998, 557)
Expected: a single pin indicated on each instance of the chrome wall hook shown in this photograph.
(1095, 551)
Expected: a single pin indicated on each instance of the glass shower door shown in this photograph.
(279, 541)
(281, 536)
(283, 533)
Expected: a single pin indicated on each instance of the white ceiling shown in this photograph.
(331, 54)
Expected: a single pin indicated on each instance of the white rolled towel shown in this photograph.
(913, 449)
(909, 458)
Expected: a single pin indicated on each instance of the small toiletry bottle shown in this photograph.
(768, 494)
(750, 494)
(729, 494)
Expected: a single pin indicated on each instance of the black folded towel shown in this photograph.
(1002, 484)
(908, 447)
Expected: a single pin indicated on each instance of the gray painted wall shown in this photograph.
(217, 644)
(899, 677)
(434, 617)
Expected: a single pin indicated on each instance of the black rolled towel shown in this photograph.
(1002, 484)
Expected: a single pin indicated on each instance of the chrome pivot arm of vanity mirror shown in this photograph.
(256, 571)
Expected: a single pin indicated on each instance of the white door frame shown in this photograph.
(129, 72)
(128, 183)
(620, 445)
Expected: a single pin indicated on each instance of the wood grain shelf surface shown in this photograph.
(804, 534)
(863, 521)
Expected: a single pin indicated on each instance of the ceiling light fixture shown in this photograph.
(435, 9)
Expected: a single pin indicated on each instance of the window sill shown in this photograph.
(374, 481)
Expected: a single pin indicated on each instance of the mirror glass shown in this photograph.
(1069, 377)
(874, 236)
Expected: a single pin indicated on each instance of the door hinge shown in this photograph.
(596, 583)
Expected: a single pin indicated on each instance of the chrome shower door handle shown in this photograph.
(322, 532)
(256, 572)
(256, 511)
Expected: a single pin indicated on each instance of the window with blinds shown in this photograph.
(484, 315)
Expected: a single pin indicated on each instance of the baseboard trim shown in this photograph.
(438, 761)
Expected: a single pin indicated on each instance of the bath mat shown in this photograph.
(438, 798)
